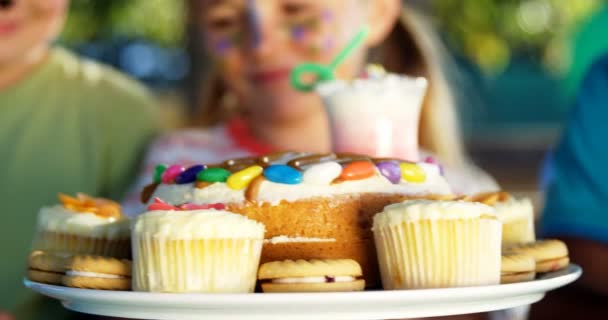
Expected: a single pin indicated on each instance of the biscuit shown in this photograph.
(316, 275)
(97, 283)
(44, 276)
(550, 255)
(95, 272)
(48, 261)
(47, 267)
(357, 285)
(516, 267)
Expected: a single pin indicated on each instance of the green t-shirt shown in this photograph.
(70, 126)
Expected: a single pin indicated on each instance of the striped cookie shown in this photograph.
(95, 272)
(550, 255)
(517, 267)
(314, 275)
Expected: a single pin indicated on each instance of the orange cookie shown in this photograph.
(550, 255)
(311, 276)
(47, 267)
(95, 272)
(517, 267)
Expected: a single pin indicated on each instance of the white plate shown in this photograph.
(343, 305)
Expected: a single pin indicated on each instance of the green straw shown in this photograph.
(324, 73)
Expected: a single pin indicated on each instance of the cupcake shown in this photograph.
(516, 214)
(204, 250)
(83, 225)
(437, 244)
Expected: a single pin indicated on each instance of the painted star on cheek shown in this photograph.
(222, 46)
(298, 33)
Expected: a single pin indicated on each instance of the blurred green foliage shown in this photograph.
(490, 32)
(160, 21)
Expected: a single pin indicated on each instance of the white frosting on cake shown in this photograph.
(197, 224)
(59, 219)
(415, 210)
(274, 193)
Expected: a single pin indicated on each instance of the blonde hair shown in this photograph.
(411, 48)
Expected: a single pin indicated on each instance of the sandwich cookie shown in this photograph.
(95, 272)
(517, 267)
(550, 255)
(47, 267)
(311, 276)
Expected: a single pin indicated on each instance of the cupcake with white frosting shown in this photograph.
(202, 250)
(438, 244)
(516, 214)
(83, 225)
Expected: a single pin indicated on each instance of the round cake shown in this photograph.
(313, 206)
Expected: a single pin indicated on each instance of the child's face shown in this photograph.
(27, 25)
(258, 42)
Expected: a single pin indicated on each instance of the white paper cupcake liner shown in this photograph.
(195, 265)
(439, 253)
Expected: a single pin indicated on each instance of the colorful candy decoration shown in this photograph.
(213, 175)
(412, 172)
(431, 160)
(171, 173)
(281, 173)
(239, 180)
(390, 170)
(430, 169)
(159, 204)
(322, 174)
(158, 172)
(357, 170)
(314, 169)
(189, 175)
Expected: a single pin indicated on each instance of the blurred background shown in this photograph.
(515, 66)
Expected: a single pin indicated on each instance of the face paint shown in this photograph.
(223, 44)
(298, 33)
(327, 15)
(254, 23)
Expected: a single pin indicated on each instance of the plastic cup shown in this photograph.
(376, 116)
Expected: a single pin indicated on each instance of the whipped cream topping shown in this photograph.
(87, 274)
(287, 239)
(325, 279)
(197, 224)
(414, 210)
(59, 219)
(274, 193)
(372, 87)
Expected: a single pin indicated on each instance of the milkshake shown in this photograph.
(377, 114)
